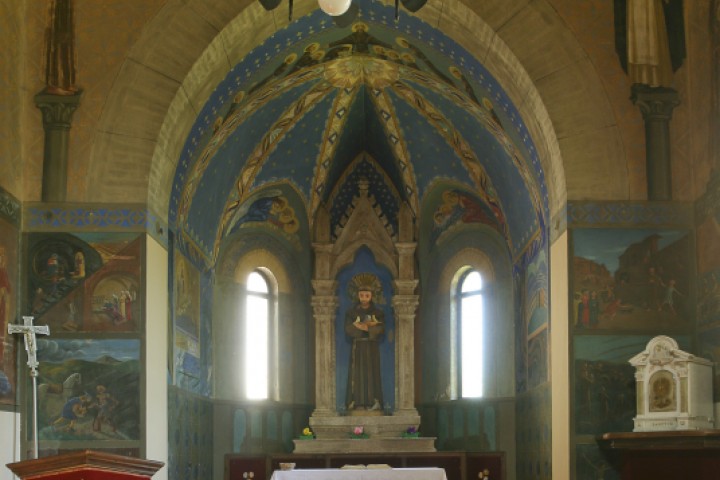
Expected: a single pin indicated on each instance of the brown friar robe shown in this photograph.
(364, 382)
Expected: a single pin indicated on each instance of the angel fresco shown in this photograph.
(460, 207)
(270, 207)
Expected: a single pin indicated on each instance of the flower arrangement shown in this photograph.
(411, 432)
(359, 432)
(307, 434)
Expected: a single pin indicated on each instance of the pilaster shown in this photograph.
(405, 307)
(324, 309)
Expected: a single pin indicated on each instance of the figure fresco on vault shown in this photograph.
(270, 208)
(273, 209)
(631, 279)
(458, 207)
(360, 39)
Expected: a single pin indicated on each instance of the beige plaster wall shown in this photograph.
(691, 134)
(156, 356)
(147, 67)
(104, 33)
(591, 23)
(559, 359)
(10, 441)
(12, 32)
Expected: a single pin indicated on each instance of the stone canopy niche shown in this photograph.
(364, 228)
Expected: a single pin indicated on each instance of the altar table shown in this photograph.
(361, 474)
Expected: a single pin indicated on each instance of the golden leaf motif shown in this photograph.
(349, 71)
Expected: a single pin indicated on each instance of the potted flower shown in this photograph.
(411, 432)
(307, 434)
(359, 433)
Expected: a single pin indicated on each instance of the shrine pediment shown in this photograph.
(661, 351)
(365, 226)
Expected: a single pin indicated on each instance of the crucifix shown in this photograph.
(29, 331)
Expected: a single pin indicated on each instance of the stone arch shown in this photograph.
(148, 131)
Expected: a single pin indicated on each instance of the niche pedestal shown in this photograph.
(384, 432)
(674, 388)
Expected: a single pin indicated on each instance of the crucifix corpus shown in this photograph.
(28, 330)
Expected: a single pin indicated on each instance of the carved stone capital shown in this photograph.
(405, 287)
(324, 288)
(406, 248)
(405, 305)
(655, 103)
(324, 307)
(57, 110)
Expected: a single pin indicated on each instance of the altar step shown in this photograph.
(366, 445)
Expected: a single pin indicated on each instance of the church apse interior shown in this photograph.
(214, 176)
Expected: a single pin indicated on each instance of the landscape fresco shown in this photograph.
(632, 279)
(88, 390)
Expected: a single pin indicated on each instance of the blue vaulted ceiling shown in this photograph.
(319, 106)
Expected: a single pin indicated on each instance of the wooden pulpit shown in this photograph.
(86, 465)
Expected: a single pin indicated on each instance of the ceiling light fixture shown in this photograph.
(344, 12)
(334, 8)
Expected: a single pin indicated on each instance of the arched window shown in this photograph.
(476, 352)
(259, 312)
(470, 308)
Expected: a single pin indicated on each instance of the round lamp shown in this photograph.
(334, 8)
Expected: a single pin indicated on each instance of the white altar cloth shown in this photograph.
(361, 474)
